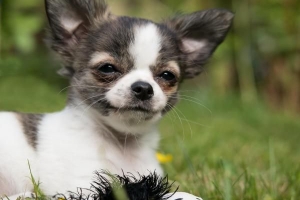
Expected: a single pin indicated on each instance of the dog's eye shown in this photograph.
(168, 76)
(107, 68)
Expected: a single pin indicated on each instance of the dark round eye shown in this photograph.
(168, 76)
(107, 68)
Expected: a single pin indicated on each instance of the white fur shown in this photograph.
(120, 93)
(23, 195)
(144, 50)
(181, 195)
(146, 45)
(71, 146)
(72, 143)
(14, 153)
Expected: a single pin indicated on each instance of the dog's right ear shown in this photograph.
(199, 34)
(69, 21)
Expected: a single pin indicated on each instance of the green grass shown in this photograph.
(222, 148)
(233, 150)
(38, 193)
(31, 85)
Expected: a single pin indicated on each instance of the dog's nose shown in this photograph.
(142, 90)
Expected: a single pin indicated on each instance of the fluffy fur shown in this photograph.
(124, 76)
(134, 188)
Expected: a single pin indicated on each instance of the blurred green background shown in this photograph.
(237, 127)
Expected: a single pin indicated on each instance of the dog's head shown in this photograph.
(129, 69)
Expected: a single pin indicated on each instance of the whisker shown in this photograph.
(178, 118)
(193, 100)
(191, 131)
(177, 112)
(81, 102)
(79, 86)
(89, 106)
(193, 122)
(194, 91)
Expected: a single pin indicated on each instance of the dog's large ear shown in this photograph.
(69, 21)
(200, 33)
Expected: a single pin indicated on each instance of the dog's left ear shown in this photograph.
(200, 33)
(70, 21)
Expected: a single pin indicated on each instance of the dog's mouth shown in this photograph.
(132, 108)
(136, 108)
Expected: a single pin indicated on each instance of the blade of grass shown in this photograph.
(39, 195)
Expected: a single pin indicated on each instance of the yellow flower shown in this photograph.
(164, 158)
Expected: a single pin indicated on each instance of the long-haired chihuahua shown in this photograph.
(124, 76)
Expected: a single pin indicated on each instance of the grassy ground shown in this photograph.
(228, 150)
(222, 148)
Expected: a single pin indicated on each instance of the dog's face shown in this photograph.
(129, 69)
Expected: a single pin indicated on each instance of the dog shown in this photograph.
(124, 76)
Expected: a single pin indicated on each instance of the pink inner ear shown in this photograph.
(191, 45)
(70, 24)
(73, 27)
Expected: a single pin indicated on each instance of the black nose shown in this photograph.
(142, 90)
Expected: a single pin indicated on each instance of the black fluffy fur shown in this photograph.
(151, 187)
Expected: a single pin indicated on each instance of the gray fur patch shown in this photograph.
(30, 123)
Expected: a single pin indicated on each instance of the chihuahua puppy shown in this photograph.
(124, 76)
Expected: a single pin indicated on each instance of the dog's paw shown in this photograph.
(181, 196)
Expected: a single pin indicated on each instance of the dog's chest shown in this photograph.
(70, 151)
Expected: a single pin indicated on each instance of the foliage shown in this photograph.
(21, 22)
